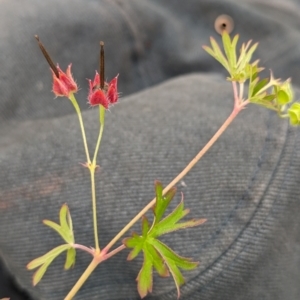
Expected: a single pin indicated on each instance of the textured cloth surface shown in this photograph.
(173, 101)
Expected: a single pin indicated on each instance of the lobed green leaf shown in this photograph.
(157, 260)
(230, 50)
(44, 262)
(145, 226)
(63, 233)
(162, 202)
(259, 86)
(63, 216)
(248, 55)
(136, 242)
(217, 53)
(166, 252)
(156, 254)
(49, 255)
(167, 224)
(174, 262)
(38, 275)
(145, 278)
(65, 229)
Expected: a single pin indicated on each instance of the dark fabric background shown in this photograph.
(174, 98)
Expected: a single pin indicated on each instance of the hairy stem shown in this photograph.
(94, 204)
(92, 167)
(101, 118)
(235, 94)
(241, 91)
(113, 252)
(85, 275)
(98, 255)
(98, 258)
(84, 248)
(76, 106)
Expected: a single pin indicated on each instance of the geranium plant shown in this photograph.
(248, 88)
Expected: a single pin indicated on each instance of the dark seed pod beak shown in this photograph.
(102, 65)
(47, 56)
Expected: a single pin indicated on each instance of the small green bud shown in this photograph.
(284, 92)
(282, 97)
(294, 114)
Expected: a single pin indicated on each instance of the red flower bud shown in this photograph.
(64, 84)
(106, 96)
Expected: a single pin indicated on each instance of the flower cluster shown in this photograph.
(63, 84)
(106, 96)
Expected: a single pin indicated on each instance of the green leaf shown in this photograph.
(209, 51)
(227, 46)
(233, 45)
(248, 56)
(162, 202)
(145, 279)
(57, 228)
(156, 254)
(174, 262)
(260, 94)
(157, 260)
(70, 258)
(145, 225)
(238, 68)
(44, 261)
(38, 275)
(216, 53)
(135, 242)
(49, 255)
(268, 97)
(65, 229)
(260, 85)
(230, 50)
(170, 223)
(64, 211)
(182, 262)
